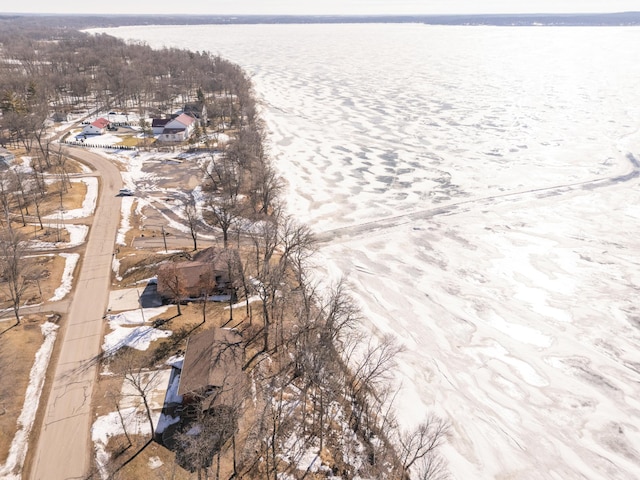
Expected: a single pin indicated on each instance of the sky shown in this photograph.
(319, 7)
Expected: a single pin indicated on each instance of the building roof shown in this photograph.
(210, 271)
(100, 123)
(196, 109)
(194, 278)
(221, 259)
(6, 154)
(184, 119)
(167, 131)
(212, 366)
(159, 122)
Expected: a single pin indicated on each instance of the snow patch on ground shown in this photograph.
(134, 417)
(154, 462)
(251, 299)
(175, 361)
(134, 317)
(115, 266)
(125, 223)
(138, 337)
(67, 276)
(134, 420)
(77, 236)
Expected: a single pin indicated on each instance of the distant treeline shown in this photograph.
(92, 21)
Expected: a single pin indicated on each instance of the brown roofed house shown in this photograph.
(212, 273)
(212, 369)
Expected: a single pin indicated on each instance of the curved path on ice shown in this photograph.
(555, 190)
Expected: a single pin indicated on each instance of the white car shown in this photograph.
(125, 192)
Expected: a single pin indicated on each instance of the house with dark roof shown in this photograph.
(158, 125)
(212, 375)
(97, 127)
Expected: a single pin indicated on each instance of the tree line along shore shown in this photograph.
(312, 383)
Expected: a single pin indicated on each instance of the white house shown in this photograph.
(178, 129)
(96, 128)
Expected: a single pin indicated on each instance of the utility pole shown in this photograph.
(164, 239)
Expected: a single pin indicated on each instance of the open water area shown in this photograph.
(479, 188)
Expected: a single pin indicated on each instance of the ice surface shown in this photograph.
(478, 187)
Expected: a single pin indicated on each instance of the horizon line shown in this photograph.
(344, 15)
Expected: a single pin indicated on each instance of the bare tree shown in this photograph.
(370, 371)
(192, 218)
(297, 245)
(225, 207)
(267, 187)
(7, 189)
(265, 238)
(266, 287)
(171, 278)
(139, 377)
(15, 267)
(419, 448)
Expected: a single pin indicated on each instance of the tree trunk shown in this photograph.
(146, 406)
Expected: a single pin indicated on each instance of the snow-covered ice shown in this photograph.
(478, 188)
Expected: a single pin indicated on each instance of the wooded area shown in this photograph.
(315, 382)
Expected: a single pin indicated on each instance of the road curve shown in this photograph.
(63, 449)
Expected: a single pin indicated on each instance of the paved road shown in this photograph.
(63, 450)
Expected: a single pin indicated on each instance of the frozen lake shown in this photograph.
(479, 188)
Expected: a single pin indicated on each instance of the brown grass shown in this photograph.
(71, 198)
(48, 269)
(140, 466)
(18, 347)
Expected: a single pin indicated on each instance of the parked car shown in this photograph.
(125, 192)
